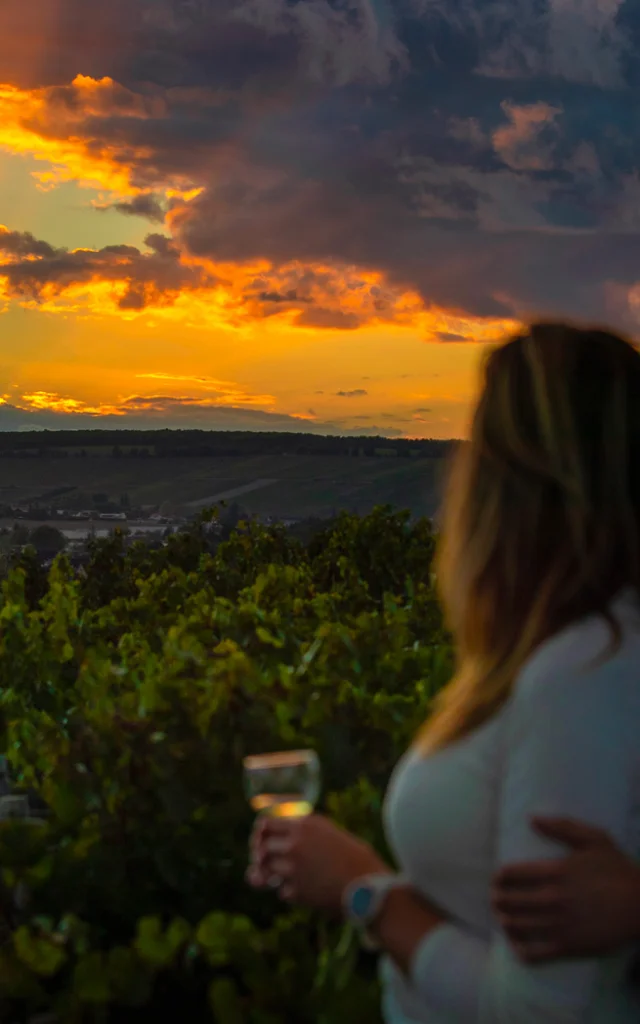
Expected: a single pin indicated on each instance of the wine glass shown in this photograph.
(283, 785)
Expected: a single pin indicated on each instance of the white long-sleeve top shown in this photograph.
(567, 743)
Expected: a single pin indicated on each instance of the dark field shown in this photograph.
(281, 485)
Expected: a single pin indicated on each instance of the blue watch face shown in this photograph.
(361, 902)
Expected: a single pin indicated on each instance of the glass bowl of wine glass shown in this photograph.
(285, 784)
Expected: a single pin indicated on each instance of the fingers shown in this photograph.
(271, 859)
(523, 924)
(270, 872)
(273, 848)
(284, 888)
(268, 830)
(276, 873)
(255, 877)
(531, 919)
(529, 874)
(272, 856)
(282, 868)
(527, 925)
(274, 844)
(547, 899)
(266, 825)
(537, 951)
(534, 937)
(576, 834)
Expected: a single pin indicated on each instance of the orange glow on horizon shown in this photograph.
(43, 400)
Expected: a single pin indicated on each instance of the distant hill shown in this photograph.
(283, 475)
(162, 443)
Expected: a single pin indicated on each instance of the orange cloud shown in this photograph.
(25, 118)
(235, 410)
(164, 284)
(520, 143)
(45, 400)
(54, 125)
(90, 132)
(217, 392)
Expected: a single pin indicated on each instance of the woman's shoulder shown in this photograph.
(582, 653)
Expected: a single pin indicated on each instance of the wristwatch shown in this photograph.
(364, 899)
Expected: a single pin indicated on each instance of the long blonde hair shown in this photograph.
(541, 519)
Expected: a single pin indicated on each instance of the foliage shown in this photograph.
(129, 695)
(47, 540)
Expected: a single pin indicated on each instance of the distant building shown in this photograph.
(113, 515)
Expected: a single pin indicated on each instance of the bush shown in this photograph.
(47, 540)
(129, 695)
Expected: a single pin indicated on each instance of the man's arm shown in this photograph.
(584, 905)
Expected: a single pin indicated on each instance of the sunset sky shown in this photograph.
(304, 214)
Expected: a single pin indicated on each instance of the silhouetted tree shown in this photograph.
(47, 540)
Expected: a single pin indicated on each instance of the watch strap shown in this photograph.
(377, 887)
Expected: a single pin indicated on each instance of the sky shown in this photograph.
(304, 215)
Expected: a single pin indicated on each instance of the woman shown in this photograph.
(540, 575)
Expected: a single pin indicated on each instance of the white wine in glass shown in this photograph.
(283, 785)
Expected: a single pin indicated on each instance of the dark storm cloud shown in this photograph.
(32, 268)
(259, 45)
(330, 319)
(483, 154)
(144, 205)
(163, 402)
(22, 244)
(277, 297)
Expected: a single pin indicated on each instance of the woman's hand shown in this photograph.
(309, 860)
(586, 904)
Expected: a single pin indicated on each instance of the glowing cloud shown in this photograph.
(165, 284)
(67, 128)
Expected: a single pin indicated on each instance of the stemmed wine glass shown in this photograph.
(285, 784)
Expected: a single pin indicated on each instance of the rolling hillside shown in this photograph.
(294, 486)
